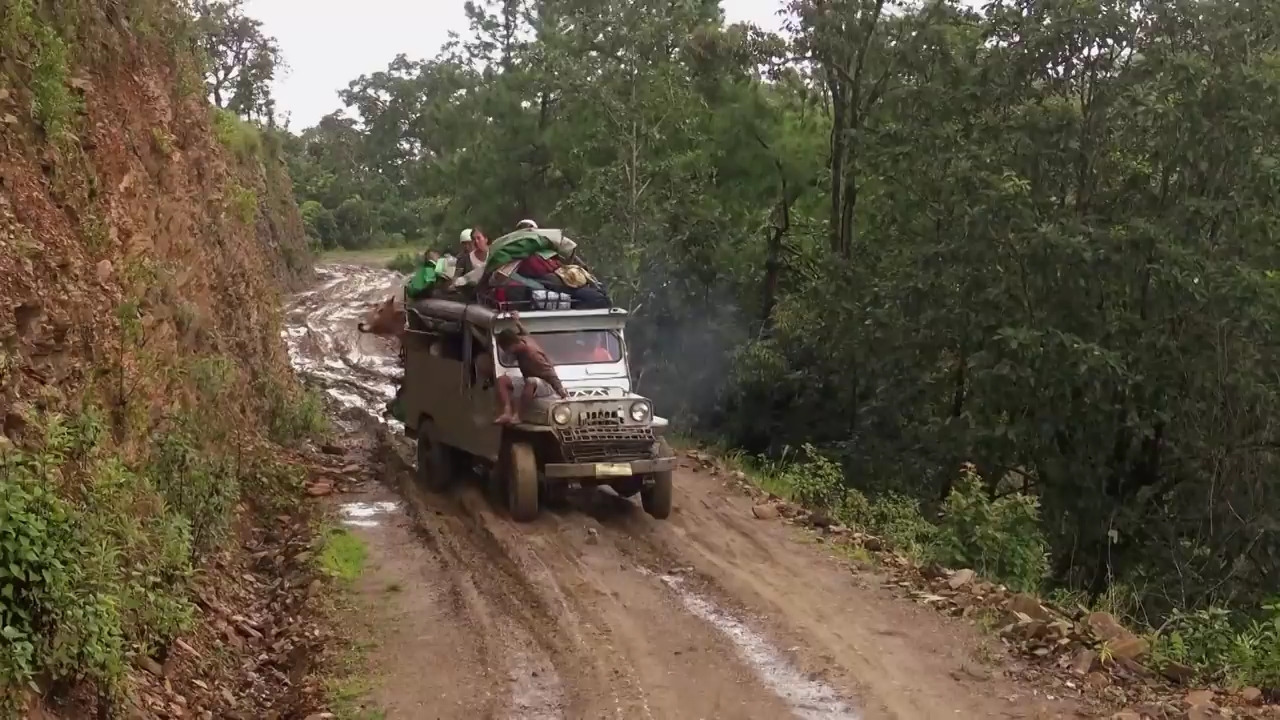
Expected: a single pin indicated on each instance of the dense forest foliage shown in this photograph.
(1039, 236)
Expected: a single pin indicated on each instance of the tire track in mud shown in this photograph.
(513, 620)
(638, 542)
(326, 348)
(636, 622)
(488, 595)
(609, 632)
(555, 669)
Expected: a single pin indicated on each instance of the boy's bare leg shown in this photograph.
(527, 394)
(508, 415)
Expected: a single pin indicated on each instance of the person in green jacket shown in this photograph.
(424, 280)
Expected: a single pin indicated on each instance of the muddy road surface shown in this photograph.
(599, 611)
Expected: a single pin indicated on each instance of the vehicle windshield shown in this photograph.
(574, 347)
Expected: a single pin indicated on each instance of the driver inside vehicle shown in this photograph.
(590, 348)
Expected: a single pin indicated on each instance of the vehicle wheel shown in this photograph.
(522, 482)
(435, 466)
(657, 498)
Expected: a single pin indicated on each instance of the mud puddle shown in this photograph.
(807, 698)
(360, 514)
(359, 372)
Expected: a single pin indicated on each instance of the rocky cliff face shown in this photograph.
(121, 193)
(145, 241)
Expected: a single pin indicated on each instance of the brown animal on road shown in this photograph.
(386, 320)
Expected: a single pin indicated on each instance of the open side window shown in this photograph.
(479, 357)
(434, 332)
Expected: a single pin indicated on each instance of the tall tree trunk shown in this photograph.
(773, 259)
(839, 148)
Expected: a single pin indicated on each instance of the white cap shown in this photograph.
(465, 236)
(527, 225)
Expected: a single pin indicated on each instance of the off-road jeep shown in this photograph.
(601, 434)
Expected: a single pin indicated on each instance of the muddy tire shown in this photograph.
(522, 482)
(435, 461)
(657, 498)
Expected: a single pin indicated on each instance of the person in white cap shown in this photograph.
(475, 251)
(526, 225)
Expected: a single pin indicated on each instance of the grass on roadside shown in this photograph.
(348, 682)
(349, 688)
(343, 555)
(1000, 539)
(766, 474)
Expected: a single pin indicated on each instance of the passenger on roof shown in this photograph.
(547, 260)
(475, 252)
(538, 376)
(433, 271)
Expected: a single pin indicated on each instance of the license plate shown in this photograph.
(613, 469)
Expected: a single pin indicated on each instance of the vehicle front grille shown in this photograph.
(600, 418)
(606, 444)
(589, 392)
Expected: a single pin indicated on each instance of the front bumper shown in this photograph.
(607, 470)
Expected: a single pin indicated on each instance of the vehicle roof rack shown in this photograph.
(458, 311)
(561, 303)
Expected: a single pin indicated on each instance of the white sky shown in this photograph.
(329, 43)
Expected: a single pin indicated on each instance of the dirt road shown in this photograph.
(598, 611)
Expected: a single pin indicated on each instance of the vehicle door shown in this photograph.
(433, 381)
(479, 405)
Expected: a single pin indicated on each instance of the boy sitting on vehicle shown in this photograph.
(538, 373)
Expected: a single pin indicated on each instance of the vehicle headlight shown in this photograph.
(640, 411)
(560, 414)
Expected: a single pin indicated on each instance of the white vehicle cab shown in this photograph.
(603, 433)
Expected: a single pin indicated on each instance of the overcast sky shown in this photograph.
(328, 43)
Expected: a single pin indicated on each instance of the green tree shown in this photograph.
(1037, 237)
(241, 61)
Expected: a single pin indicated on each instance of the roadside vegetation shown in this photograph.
(1001, 540)
(347, 682)
(100, 543)
(342, 554)
(141, 425)
(405, 262)
(1005, 275)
